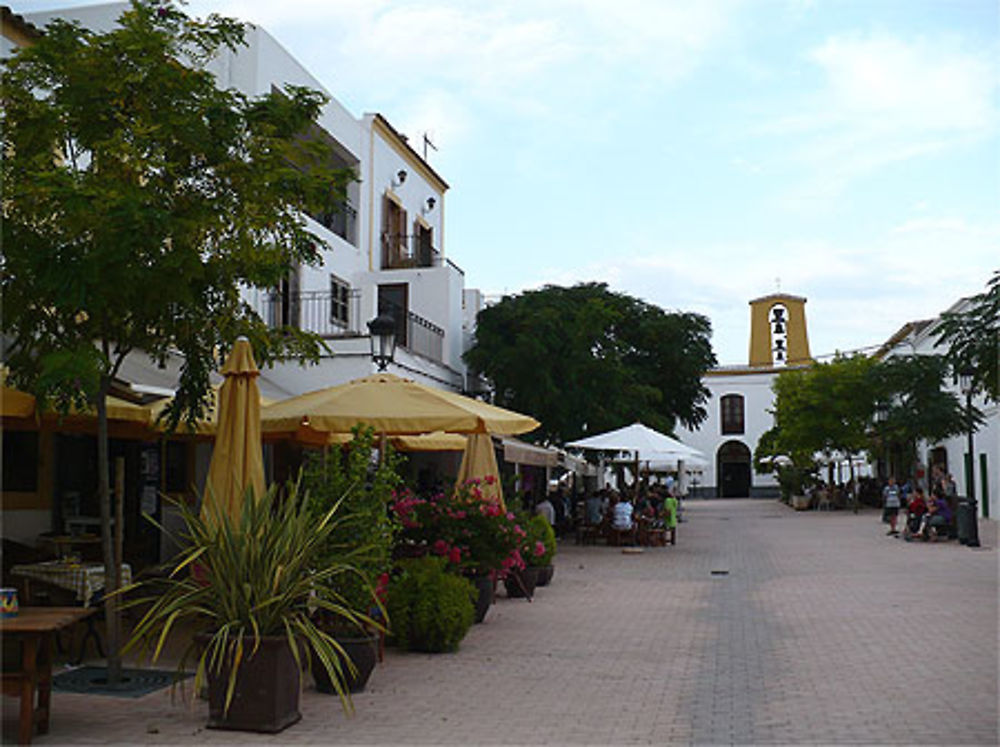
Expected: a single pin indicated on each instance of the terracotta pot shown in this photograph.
(266, 696)
(521, 583)
(362, 651)
(484, 586)
(545, 574)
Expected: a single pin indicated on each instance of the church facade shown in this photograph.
(741, 400)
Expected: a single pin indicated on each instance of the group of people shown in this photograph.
(928, 515)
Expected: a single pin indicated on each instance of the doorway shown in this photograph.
(733, 461)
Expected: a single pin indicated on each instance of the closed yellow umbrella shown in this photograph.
(393, 406)
(237, 458)
(479, 462)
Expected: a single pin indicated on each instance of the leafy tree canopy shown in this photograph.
(832, 407)
(973, 338)
(139, 197)
(585, 359)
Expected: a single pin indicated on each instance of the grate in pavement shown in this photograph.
(94, 681)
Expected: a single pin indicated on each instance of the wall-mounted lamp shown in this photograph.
(431, 202)
(400, 178)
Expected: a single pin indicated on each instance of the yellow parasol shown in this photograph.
(237, 459)
(479, 462)
(393, 406)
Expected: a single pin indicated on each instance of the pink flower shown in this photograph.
(455, 555)
(539, 549)
(489, 479)
(440, 547)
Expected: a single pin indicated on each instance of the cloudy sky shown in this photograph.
(694, 154)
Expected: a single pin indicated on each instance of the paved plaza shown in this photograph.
(761, 626)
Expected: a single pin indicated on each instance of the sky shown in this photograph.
(696, 155)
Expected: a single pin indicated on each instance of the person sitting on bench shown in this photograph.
(936, 519)
(915, 511)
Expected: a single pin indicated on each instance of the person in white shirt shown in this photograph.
(623, 515)
(546, 509)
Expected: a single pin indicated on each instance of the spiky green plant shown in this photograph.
(259, 577)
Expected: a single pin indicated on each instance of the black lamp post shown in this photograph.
(967, 384)
(881, 418)
(382, 335)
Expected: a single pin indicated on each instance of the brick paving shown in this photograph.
(823, 631)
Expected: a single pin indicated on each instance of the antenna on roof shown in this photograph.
(428, 143)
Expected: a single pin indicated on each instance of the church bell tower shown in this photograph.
(778, 335)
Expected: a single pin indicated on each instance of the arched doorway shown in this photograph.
(733, 469)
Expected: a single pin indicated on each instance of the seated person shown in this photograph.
(622, 515)
(546, 509)
(594, 511)
(935, 519)
(915, 511)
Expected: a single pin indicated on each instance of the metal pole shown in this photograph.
(973, 540)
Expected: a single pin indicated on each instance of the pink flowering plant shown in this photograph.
(473, 535)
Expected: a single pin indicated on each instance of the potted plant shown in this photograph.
(363, 539)
(522, 580)
(431, 609)
(547, 536)
(477, 539)
(253, 604)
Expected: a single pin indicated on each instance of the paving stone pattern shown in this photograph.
(822, 630)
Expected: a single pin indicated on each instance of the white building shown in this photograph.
(951, 455)
(386, 248)
(741, 400)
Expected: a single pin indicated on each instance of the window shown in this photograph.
(394, 251)
(340, 291)
(732, 414)
(20, 461)
(425, 246)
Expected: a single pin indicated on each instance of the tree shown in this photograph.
(825, 408)
(585, 359)
(910, 390)
(138, 199)
(973, 338)
(831, 407)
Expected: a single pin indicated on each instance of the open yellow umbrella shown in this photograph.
(479, 462)
(393, 406)
(237, 459)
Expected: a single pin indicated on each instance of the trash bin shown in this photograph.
(968, 522)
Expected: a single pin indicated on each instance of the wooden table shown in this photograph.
(35, 628)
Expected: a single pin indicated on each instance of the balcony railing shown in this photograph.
(342, 220)
(327, 313)
(413, 332)
(403, 251)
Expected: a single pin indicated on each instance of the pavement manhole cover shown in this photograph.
(720, 573)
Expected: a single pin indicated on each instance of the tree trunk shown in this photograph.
(854, 485)
(107, 538)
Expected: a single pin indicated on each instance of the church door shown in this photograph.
(734, 470)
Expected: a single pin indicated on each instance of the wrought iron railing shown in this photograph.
(342, 220)
(405, 251)
(327, 313)
(413, 332)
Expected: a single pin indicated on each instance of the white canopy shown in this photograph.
(643, 443)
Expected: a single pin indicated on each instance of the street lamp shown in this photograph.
(382, 335)
(881, 418)
(967, 384)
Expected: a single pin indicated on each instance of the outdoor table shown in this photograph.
(83, 579)
(35, 629)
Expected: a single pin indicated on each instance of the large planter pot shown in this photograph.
(484, 598)
(545, 574)
(266, 696)
(362, 650)
(521, 583)
(800, 502)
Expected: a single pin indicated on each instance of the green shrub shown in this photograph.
(431, 610)
(539, 530)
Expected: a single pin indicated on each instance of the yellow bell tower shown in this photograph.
(778, 335)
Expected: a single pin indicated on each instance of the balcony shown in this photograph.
(342, 220)
(413, 332)
(326, 313)
(407, 251)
